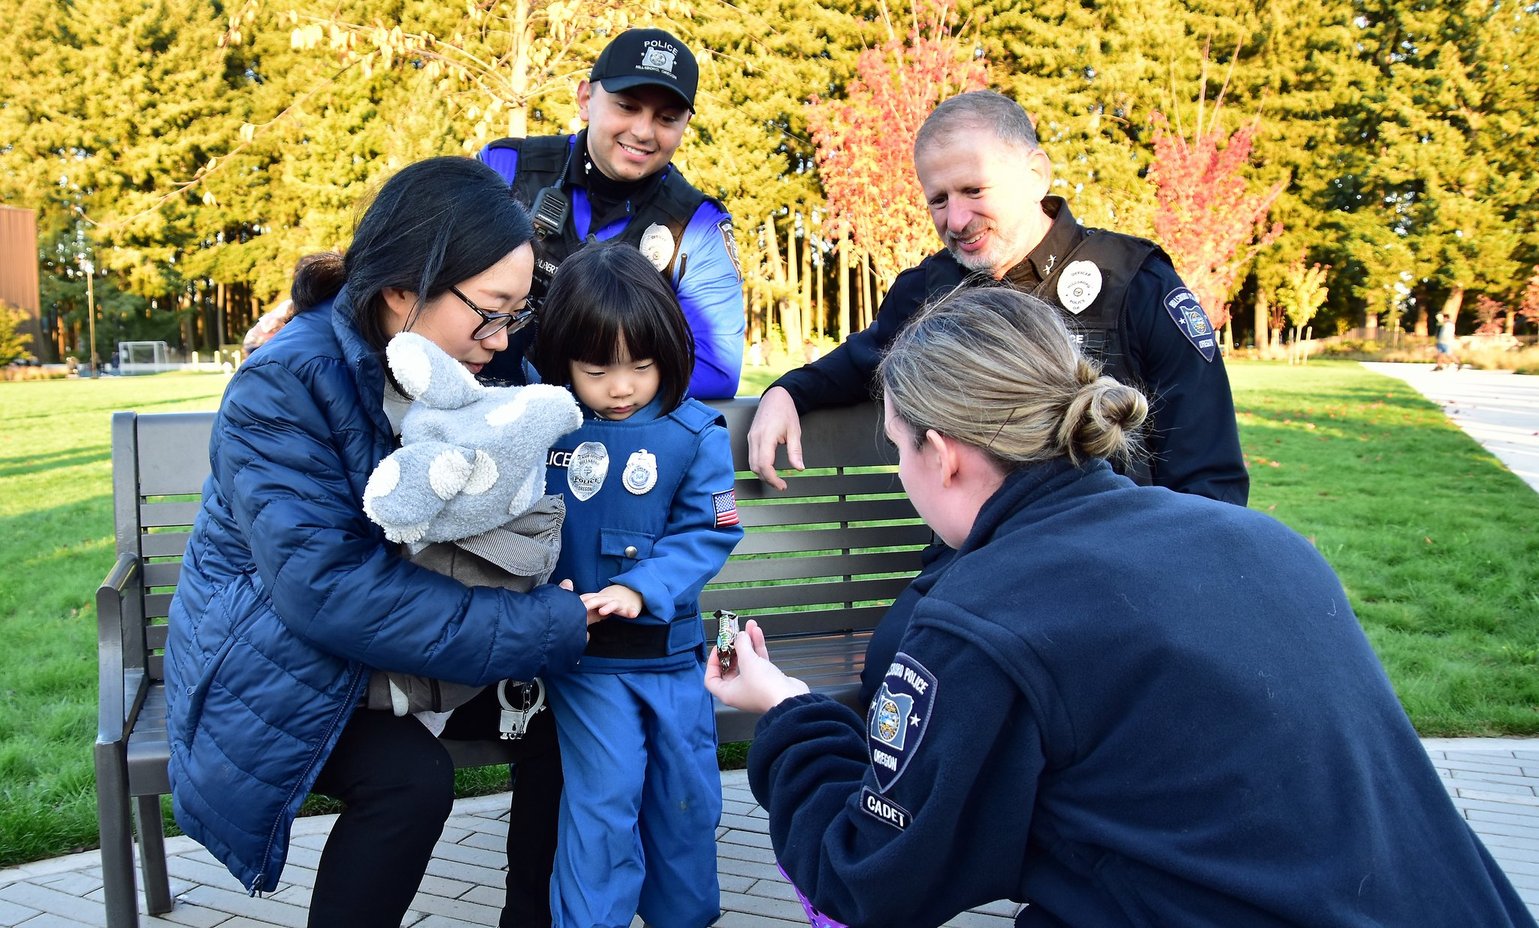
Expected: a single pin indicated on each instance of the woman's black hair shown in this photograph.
(606, 293)
(431, 225)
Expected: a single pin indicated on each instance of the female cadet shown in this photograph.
(290, 595)
(1197, 736)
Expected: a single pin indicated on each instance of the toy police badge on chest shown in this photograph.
(586, 472)
(640, 474)
(898, 717)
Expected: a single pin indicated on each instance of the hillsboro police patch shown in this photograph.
(898, 717)
(1187, 313)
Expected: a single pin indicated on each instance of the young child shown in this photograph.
(651, 516)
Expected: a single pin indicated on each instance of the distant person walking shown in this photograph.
(1445, 343)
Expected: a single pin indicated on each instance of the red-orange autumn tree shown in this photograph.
(865, 142)
(1205, 217)
(1528, 304)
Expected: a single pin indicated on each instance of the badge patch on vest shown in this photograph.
(657, 245)
(1187, 313)
(1078, 286)
(587, 470)
(725, 228)
(898, 717)
(883, 810)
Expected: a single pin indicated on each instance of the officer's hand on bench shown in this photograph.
(775, 423)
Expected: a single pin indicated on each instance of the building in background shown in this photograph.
(18, 270)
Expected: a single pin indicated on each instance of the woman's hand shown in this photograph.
(754, 684)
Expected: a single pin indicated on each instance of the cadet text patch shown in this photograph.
(898, 717)
(1187, 313)
(883, 809)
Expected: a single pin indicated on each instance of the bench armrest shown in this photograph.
(119, 650)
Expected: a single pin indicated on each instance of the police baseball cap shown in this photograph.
(647, 58)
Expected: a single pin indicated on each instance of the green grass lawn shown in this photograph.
(1436, 543)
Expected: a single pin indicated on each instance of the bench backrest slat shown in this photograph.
(822, 558)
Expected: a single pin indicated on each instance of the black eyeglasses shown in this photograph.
(492, 323)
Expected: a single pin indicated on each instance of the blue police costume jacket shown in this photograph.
(289, 595)
(703, 267)
(665, 541)
(1197, 738)
(1142, 323)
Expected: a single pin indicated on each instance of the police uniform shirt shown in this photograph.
(1192, 438)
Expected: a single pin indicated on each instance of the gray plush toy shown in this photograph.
(466, 490)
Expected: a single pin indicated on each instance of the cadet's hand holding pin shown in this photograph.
(754, 684)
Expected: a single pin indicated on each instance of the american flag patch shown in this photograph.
(725, 505)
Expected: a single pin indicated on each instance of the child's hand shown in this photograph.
(612, 600)
(592, 615)
(754, 684)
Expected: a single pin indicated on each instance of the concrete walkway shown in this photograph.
(1492, 781)
(1499, 409)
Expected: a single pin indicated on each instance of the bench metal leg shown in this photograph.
(152, 855)
(112, 815)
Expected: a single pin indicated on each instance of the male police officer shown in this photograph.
(986, 182)
(614, 179)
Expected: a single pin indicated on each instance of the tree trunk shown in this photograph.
(843, 320)
(868, 304)
(1263, 327)
(819, 306)
(809, 311)
(518, 81)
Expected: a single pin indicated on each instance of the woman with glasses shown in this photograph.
(290, 596)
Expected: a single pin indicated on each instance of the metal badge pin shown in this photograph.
(726, 635)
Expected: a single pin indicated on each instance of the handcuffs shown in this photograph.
(515, 719)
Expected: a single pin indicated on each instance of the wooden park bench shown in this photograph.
(817, 568)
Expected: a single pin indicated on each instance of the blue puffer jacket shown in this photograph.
(289, 595)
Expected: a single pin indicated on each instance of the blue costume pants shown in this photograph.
(637, 832)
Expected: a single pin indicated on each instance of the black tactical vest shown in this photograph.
(1098, 327)
(542, 162)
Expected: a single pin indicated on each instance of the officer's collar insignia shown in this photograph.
(1078, 286)
(1188, 316)
(898, 717)
(640, 473)
(587, 470)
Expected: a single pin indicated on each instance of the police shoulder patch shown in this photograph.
(727, 239)
(898, 718)
(1189, 317)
